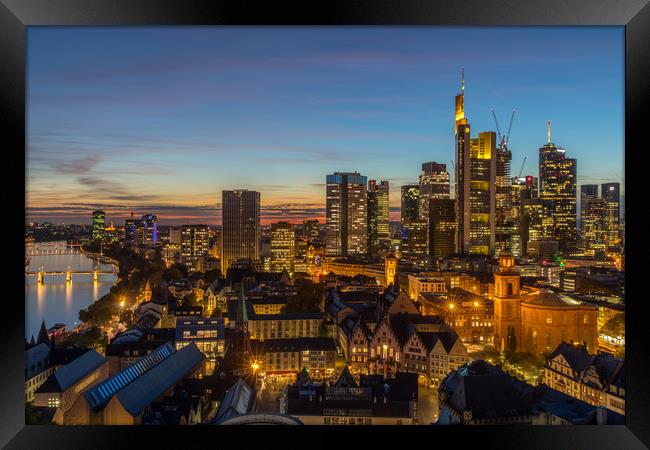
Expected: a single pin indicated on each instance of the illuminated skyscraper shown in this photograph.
(410, 202)
(149, 229)
(523, 189)
(240, 234)
(131, 231)
(415, 238)
(99, 224)
(557, 178)
(478, 200)
(194, 244)
(611, 193)
(346, 204)
(442, 227)
(594, 225)
(587, 192)
(475, 185)
(377, 215)
(532, 224)
(311, 229)
(506, 225)
(434, 183)
(283, 247)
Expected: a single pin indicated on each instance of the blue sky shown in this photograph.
(161, 119)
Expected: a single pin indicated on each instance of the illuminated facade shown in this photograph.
(240, 234)
(99, 223)
(434, 183)
(283, 247)
(414, 238)
(311, 229)
(194, 244)
(148, 228)
(480, 199)
(377, 215)
(506, 224)
(523, 191)
(611, 194)
(593, 224)
(537, 321)
(346, 230)
(557, 178)
(410, 199)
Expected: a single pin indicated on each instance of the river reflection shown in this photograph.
(58, 300)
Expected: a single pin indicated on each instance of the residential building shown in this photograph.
(595, 379)
(194, 245)
(283, 356)
(482, 394)
(283, 247)
(375, 400)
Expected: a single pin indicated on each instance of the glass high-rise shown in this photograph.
(99, 226)
(478, 199)
(410, 198)
(346, 205)
(442, 227)
(611, 193)
(557, 185)
(434, 183)
(149, 229)
(378, 196)
(240, 234)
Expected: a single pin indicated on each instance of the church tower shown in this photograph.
(390, 269)
(506, 295)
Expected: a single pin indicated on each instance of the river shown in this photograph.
(56, 300)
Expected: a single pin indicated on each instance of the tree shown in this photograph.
(615, 326)
(191, 300)
(511, 339)
(92, 338)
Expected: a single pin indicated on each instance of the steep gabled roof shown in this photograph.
(346, 379)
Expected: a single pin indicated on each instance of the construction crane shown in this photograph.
(522, 168)
(503, 140)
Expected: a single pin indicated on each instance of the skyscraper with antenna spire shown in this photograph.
(475, 184)
(557, 189)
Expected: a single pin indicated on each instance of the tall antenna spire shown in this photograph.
(462, 79)
(548, 131)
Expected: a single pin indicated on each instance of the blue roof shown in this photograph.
(146, 388)
(98, 396)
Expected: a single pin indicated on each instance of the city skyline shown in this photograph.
(161, 128)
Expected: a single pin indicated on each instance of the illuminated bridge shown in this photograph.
(68, 273)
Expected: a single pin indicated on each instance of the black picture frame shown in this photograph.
(634, 15)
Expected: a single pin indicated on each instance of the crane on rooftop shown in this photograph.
(503, 140)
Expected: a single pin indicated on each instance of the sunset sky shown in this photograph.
(161, 119)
